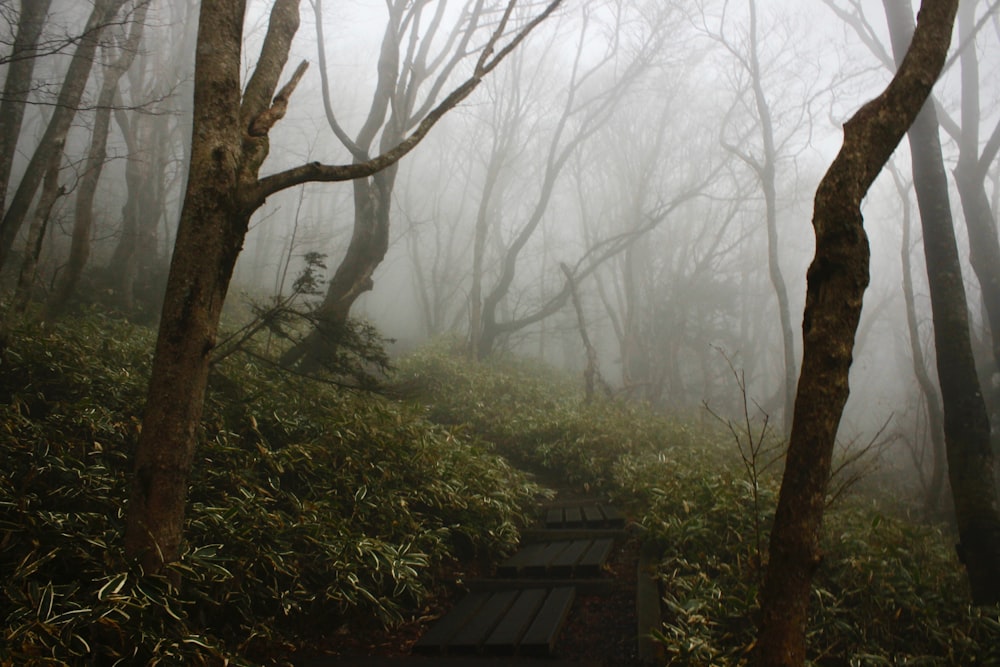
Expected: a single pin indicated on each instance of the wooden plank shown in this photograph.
(614, 518)
(473, 633)
(574, 517)
(554, 517)
(525, 556)
(541, 635)
(539, 566)
(437, 637)
(593, 516)
(564, 564)
(507, 635)
(532, 535)
(591, 562)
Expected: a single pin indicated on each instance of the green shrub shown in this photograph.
(308, 506)
(889, 592)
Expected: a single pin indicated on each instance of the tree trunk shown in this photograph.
(935, 414)
(766, 169)
(836, 282)
(62, 116)
(966, 424)
(970, 178)
(79, 251)
(209, 237)
(18, 84)
(36, 234)
(353, 276)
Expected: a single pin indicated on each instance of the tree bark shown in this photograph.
(836, 282)
(966, 423)
(59, 124)
(17, 85)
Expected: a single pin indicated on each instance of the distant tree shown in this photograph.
(419, 53)
(64, 111)
(117, 63)
(158, 147)
(934, 483)
(836, 283)
(966, 422)
(761, 131)
(971, 171)
(229, 145)
(20, 67)
(583, 109)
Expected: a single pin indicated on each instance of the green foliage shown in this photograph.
(309, 507)
(889, 591)
(355, 353)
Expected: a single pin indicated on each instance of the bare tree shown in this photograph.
(79, 251)
(18, 84)
(966, 423)
(749, 133)
(935, 416)
(63, 113)
(837, 279)
(229, 145)
(411, 77)
(580, 116)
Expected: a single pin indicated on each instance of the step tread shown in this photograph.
(501, 623)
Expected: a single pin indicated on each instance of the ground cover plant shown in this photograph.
(311, 509)
(890, 590)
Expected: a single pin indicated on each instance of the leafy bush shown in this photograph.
(308, 506)
(889, 592)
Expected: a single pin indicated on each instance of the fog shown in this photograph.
(623, 140)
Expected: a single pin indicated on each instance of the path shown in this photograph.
(573, 594)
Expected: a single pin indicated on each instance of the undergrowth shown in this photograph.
(890, 591)
(310, 509)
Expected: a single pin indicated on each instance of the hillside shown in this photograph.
(317, 512)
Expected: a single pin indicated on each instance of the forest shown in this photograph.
(308, 309)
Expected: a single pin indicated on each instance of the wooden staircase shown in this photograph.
(521, 611)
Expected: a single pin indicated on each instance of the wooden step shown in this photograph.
(584, 516)
(522, 622)
(559, 558)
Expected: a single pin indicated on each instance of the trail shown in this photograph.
(576, 592)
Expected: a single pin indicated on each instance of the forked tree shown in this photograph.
(229, 146)
(836, 283)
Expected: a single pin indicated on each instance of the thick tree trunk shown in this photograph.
(17, 85)
(59, 124)
(209, 237)
(837, 279)
(966, 424)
